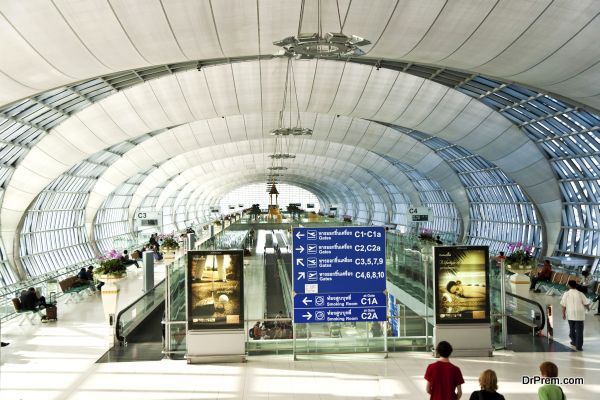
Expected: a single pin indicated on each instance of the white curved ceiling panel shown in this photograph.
(197, 95)
(72, 131)
(236, 23)
(538, 55)
(442, 117)
(399, 98)
(148, 29)
(498, 147)
(453, 26)
(579, 87)
(222, 89)
(55, 154)
(276, 17)
(368, 19)
(237, 128)
(304, 79)
(410, 22)
(170, 96)
(428, 97)
(42, 26)
(246, 87)
(95, 126)
(147, 106)
(325, 84)
(523, 162)
(502, 27)
(371, 135)
(95, 23)
(11, 89)
(24, 64)
(375, 92)
(194, 29)
(467, 122)
(120, 110)
(351, 87)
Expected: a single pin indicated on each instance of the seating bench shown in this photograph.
(72, 287)
(26, 315)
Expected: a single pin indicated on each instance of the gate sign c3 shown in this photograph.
(419, 214)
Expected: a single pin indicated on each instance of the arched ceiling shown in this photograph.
(247, 104)
(229, 107)
(50, 44)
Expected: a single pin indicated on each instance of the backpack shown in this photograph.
(251, 332)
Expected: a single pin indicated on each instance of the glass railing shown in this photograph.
(134, 314)
(130, 317)
(527, 313)
(276, 336)
(175, 308)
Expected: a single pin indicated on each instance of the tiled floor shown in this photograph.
(57, 361)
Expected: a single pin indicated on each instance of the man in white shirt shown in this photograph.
(574, 303)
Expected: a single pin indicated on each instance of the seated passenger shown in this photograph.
(90, 276)
(586, 282)
(30, 300)
(544, 275)
(127, 261)
(465, 291)
(83, 276)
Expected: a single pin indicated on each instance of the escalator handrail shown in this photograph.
(118, 335)
(534, 303)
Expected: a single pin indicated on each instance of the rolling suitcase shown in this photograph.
(51, 310)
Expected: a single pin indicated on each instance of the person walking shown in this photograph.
(444, 378)
(574, 304)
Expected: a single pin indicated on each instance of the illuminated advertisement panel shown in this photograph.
(461, 284)
(215, 289)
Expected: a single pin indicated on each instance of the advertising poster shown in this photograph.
(461, 282)
(215, 288)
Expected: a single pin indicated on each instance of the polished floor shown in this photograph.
(58, 360)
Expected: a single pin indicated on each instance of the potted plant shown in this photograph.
(111, 265)
(520, 257)
(168, 242)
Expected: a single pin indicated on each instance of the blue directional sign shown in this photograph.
(351, 314)
(339, 260)
(331, 300)
(339, 274)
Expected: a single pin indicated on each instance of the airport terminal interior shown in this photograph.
(211, 138)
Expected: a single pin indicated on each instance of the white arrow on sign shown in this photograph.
(300, 262)
(299, 235)
(300, 249)
(306, 301)
(308, 316)
(301, 275)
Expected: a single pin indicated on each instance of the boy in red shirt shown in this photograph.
(444, 378)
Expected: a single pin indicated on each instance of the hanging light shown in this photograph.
(330, 45)
(319, 44)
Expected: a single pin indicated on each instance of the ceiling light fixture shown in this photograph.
(282, 156)
(319, 44)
